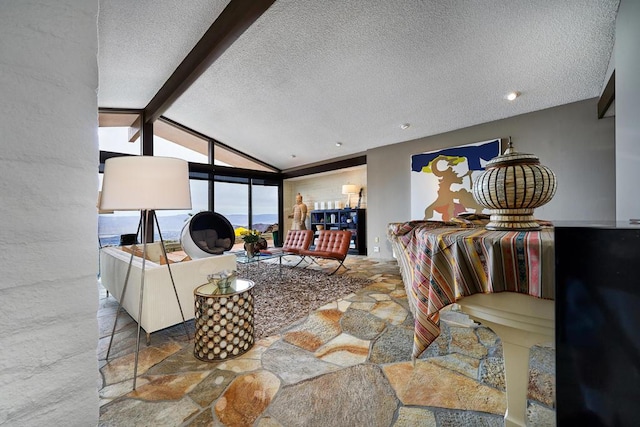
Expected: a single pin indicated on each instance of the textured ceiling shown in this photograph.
(308, 74)
(141, 43)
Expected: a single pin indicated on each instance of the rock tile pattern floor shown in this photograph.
(346, 364)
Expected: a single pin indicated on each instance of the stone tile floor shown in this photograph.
(346, 364)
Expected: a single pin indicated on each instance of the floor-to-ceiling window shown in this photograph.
(171, 141)
(114, 136)
(171, 222)
(264, 204)
(247, 201)
(231, 199)
(225, 156)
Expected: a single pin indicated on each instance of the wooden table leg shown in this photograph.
(521, 321)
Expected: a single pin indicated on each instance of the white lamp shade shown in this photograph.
(135, 183)
(100, 211)
(349, 189)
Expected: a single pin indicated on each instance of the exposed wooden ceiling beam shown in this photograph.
(608, 96)
(358, 160)
(232, 22)
(112, 117)
(135, 130)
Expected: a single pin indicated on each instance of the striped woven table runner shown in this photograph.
(446, 262)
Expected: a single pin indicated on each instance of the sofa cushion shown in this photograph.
(154, 251)
(173, 257)
(160, 309)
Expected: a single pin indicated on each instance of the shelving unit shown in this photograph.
(354, 220)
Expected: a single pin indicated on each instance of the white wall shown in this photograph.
(48, 188)
(627, 66)
(324, 187)
(569, 139)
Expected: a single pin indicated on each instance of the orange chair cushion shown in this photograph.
(331, 244)
(297, 240)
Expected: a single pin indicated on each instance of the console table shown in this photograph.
(354, 220)
(504, 279)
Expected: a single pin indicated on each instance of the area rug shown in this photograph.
(280, 301)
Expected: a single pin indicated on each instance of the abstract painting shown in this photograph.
(442, 181)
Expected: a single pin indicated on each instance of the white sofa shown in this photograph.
(160, 308)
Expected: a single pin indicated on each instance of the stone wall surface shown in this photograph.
(48, 188)
(347, 363)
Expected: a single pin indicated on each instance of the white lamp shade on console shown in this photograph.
(135, 183)
(349, 189)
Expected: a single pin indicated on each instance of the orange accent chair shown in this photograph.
(296, 241)
(331, 244)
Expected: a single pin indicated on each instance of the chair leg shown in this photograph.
(301, 259)
(313, 261)
(338, 267)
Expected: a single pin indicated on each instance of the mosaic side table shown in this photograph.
(223, 320)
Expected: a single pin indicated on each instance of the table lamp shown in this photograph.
(102, 211)
(349, 189)
(146, 184)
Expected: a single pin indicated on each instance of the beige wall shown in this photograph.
(569, 139)
(323, 187)
(627, 107)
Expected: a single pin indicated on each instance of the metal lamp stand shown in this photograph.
(143, 225)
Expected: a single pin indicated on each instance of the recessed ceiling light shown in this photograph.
(338, 144)
(405, 126)
(512, 95)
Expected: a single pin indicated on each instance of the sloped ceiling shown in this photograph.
(308, 74)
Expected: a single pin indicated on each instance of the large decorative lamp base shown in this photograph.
(512, 220)
(511, 187)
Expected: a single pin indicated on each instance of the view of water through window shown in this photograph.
(230, 199)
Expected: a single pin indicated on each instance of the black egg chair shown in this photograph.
(207, 234)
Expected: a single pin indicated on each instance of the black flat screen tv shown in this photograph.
(597, 325)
